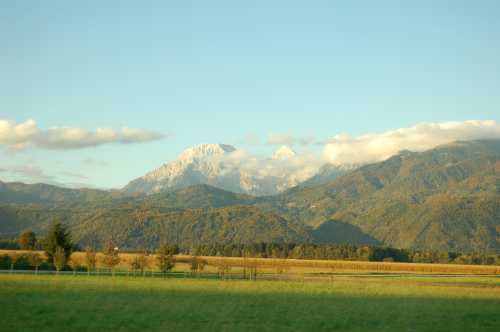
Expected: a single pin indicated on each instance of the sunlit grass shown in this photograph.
(62, 303)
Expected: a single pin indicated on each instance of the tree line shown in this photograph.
(344, 252)
(58, 247)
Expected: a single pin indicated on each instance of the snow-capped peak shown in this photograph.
(225, 167)
(284, 153)
(205, 150)
(193, 166)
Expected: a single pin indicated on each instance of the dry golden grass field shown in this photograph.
(270, 265)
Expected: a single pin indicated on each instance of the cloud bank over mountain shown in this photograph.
(241, 170)
(228, 168)
(24, 135)
(286, 168)
(345, 149)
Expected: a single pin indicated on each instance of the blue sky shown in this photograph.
(218, 71)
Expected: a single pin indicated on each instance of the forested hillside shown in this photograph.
(445, 198)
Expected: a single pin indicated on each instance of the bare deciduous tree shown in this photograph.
(140, 263)
(111, 258)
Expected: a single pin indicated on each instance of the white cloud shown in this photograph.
(287, 171)
(32, 173)
(19, 136)
(343, 148)
(134, 135)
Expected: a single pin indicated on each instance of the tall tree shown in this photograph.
(58, 235)
(27, 240)
(165, 258)
(59, 259)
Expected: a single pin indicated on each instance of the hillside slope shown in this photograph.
(444, 198)
(40, 193)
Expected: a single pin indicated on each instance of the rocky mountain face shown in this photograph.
(197, 165)
(221, 166)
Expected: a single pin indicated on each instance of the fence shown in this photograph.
(238, 276)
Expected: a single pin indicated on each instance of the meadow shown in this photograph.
(92, 303)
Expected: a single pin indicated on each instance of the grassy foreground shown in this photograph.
(81, 303)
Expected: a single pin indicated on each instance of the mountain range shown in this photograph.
(446, 198)
(218, 165)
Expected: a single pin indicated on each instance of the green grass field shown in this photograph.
(81, 303)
